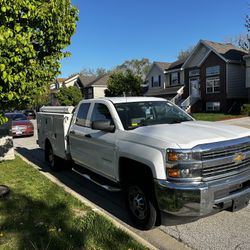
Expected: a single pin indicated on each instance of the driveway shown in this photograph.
(224, 230)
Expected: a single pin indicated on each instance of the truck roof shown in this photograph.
(130, 99)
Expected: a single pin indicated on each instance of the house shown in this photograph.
(247, 59)
(170, 77)
(58, 83)
(90, 86)
(54, 88)
(84, 83)
(96, 88)
(212, 78)
(156, 79)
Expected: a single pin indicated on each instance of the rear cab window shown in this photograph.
(81, 118)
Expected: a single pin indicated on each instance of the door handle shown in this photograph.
(88, 135)
(72, 132)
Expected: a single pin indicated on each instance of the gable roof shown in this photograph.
(226, 50)
(86, 80)
(162, 65)
(176, 65)
(60, 80)
(100, 81)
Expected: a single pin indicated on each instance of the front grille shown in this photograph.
(220, 162)
(213, 154)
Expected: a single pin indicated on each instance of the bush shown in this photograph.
(245, 109)
(70, 96)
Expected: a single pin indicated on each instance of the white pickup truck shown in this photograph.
(163, 160)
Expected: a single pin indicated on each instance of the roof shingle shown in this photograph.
(226, 50)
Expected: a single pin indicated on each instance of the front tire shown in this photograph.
(141, 206)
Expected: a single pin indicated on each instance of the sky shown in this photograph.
(112, 31)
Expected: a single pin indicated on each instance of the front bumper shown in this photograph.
(199, 199)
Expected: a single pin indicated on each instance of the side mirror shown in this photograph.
(103, 125)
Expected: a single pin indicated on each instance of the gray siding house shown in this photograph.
(211, 79)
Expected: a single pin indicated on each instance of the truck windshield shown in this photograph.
(136, 114)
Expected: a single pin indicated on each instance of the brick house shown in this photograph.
(211, 79)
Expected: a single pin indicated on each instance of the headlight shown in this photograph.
(182, 155)
(182, 163)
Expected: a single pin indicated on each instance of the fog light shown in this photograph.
(185, 172)
(173, 172)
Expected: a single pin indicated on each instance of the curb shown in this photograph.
(90, 204)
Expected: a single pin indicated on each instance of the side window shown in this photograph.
(82, 114)
(100, 112)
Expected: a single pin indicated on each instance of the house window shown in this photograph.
(89, 93)
(82, 114)
(194, 72)
(215, 70)
(157, 82)
(174, 78)
(213, 85)
(212, 106)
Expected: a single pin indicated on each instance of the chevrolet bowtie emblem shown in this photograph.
(239, 157)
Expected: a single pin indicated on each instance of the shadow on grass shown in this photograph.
(111, 202)
(27, 223)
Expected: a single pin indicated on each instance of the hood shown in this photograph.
(21, 123)
(192, 133)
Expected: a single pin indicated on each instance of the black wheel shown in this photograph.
(141, 206)
(52, 159)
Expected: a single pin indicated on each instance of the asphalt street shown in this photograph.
(223, 230)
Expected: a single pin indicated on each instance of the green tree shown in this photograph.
(33, 36)
(123, 82)
(70, 96)
(137, 67)
(183, 54)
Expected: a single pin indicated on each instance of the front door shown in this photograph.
(194, 85)
(93, 149)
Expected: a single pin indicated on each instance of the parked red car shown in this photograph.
(21, 125)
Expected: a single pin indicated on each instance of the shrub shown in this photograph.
(245, 109)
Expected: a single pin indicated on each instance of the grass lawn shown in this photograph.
(214, 116)
(38, 214)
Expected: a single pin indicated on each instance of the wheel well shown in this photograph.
(131, 169)
(46, 148)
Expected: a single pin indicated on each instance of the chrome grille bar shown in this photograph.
(223, 159)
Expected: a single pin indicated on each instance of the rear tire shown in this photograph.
(52, 159)
(141, 206)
